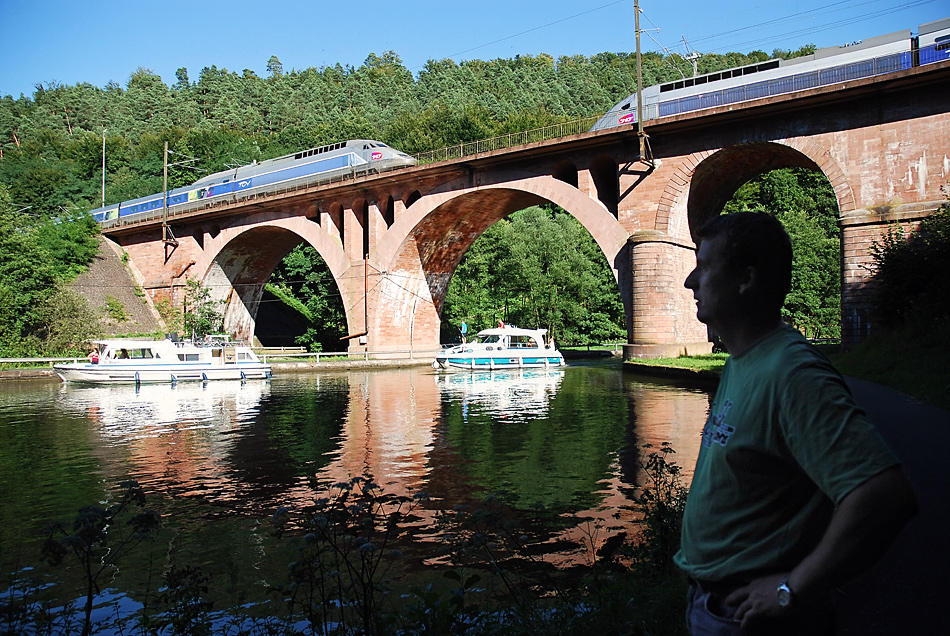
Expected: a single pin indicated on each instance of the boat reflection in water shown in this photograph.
(512, 395)
(129, 411)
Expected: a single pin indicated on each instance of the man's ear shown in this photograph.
(748, 276)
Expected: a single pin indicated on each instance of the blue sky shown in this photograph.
(98, 42)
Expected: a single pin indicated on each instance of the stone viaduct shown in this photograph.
(392, 241)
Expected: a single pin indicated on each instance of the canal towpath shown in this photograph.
(906, 591)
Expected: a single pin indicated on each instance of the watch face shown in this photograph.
(784, 595)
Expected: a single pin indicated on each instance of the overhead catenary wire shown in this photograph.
(706, 41)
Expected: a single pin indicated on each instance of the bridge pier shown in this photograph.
(663, 318)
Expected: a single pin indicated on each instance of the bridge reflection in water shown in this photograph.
(567, 439)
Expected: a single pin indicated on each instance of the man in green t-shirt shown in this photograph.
(794, 491)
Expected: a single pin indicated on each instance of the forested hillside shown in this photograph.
(51, 164)
(51, 143)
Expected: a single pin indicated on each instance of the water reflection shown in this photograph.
(219, 458)
(126, 412)
(515, 395)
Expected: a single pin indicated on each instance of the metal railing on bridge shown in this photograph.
(509, 140)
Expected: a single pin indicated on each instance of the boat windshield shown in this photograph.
(494, 337)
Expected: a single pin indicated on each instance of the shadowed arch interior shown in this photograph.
(241, 270)
(440, 247)
(603, 171)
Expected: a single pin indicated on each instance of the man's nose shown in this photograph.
(688, 283)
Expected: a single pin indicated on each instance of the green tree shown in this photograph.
(304, 275)
(202, 315)
(26, 277)
(539, 267)
(911, 286)
(805, 203)
(274, 67)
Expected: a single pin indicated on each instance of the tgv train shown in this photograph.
(357, 156)
(875, 56)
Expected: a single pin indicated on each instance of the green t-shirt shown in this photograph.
(783, 444)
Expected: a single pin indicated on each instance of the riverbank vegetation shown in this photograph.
(911, 302)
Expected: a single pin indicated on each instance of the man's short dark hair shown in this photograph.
(759, 240)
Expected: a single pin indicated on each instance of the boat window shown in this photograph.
(188, 357)
(523, 342)
(140, 353)
(490, 338)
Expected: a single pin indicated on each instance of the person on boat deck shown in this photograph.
(464, 330)
(124, 354)
(93, 356)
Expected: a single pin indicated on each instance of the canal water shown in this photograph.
(218, 459)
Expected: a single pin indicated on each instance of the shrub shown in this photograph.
(911, 287)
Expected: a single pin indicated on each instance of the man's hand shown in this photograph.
(757, 601)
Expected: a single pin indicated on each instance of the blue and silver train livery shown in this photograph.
(354, 157)
(875, 56)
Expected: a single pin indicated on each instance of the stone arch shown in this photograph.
(707, 180)
(237, 263)
(420, 252)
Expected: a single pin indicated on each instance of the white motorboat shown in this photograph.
(502, 348)
(126, 361)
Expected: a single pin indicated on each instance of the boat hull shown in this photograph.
(481, 362)
(159, 373)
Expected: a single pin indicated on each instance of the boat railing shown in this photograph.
(318, 356)
(33, 361)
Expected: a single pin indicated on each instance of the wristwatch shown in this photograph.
(784, 593)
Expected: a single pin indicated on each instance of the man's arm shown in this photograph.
(864, 525)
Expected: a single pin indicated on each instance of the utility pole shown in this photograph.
(646, 155)
(168, 238)
(103, 166)
(636, 14)
(692, 56)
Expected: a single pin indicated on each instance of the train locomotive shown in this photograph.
(354, 157)
(875, 56)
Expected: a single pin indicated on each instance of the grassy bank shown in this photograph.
(911, 361)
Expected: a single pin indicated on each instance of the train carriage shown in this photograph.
(357, 156)
(874, 56)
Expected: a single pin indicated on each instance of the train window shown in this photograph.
(625, 106)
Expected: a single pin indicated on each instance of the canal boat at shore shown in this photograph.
(126, 361)
(505, 347)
